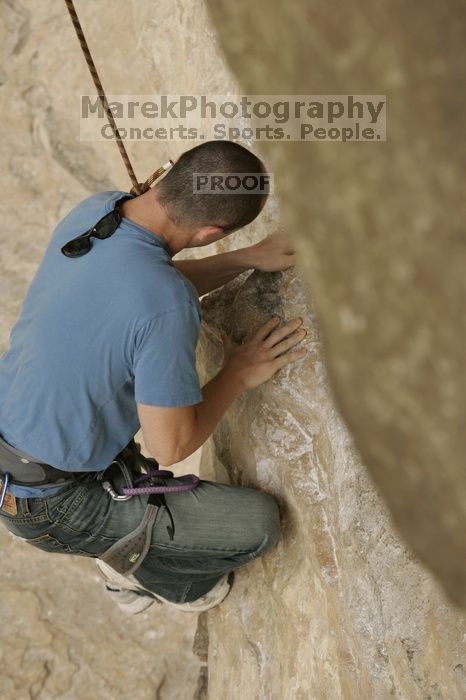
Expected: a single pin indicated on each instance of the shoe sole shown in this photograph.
(224, 586)
(133, 605)
(212, 598)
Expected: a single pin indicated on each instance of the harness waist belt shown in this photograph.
(25, 470)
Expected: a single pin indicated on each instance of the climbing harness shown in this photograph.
(129, 474)
(119, 481)
(138, 188)
(23, 470)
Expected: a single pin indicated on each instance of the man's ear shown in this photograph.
(208, 234)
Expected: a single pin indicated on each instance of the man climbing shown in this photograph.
(105, 344)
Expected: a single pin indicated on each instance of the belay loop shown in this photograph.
(194, 482)
(124, 478)
(155, 492)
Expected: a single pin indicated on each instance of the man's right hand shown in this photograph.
(260, 357)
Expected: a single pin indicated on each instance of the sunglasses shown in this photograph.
(106, 226)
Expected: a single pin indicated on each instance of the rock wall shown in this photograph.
(341, 608)
(380, 232)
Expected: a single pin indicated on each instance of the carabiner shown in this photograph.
(106, 485)
(6, 480)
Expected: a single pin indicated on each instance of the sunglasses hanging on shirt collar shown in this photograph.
(106, 226)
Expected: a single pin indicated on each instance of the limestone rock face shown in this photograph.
(380, 232)
(340, 608)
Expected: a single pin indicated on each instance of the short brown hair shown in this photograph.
(188, 208)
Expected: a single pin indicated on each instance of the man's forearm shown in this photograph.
(207, 274)
(218, 394)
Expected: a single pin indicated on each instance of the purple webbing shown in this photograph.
(141, 490)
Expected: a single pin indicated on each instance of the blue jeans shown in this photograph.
(218, 527)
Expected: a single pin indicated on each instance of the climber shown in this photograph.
(104, 345)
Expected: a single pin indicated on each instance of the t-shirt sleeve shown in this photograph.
(165, 359)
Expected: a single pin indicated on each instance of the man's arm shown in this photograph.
(271, 254)
(173, 433)
(207, 274)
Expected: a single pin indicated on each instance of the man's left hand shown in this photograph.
(272, 254)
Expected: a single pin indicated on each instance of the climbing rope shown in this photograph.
(137, 187)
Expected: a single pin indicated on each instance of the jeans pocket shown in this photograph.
(63, 509)
(24, 523)
(49, 543)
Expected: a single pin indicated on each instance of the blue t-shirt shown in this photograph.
(95, 335)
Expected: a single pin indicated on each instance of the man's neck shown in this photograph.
(146, 211)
